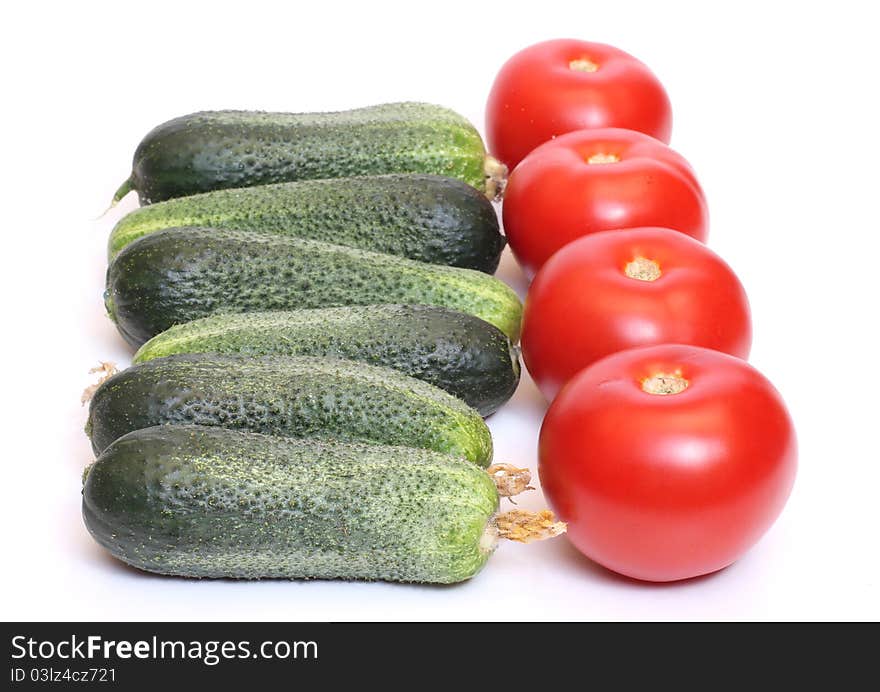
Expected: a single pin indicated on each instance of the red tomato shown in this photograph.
(615, 290)
(564, 85)
(598, 180)
(661, 483)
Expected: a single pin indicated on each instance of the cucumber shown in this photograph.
(213, 150)
(181, 274)
(208, 502)
(292, 396)
(423, 217)
(452, 350)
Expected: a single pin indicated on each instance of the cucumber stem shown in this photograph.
(523, 526)
(122, 191)
(496, 177)
(509, 479)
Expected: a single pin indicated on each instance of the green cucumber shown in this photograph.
(292, 396)
(181, 274)
(213, 150)
(423, 217)
(208, 502)
(460, 353)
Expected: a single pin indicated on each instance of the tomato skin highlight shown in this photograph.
(582, 306)
(556, 196)
(563, 85)
(667, 487)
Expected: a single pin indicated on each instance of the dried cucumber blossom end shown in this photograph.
(107, 371)
(509, 479)
(496, 177)
(523, 526)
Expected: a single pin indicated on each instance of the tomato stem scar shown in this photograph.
(643, 269)
(603, 158)
(665, 383)
(583, 65)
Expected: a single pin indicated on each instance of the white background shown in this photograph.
(775, 106)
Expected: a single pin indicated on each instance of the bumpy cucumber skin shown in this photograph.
(457, 352)
(213, 150)
(423, 217)
(177, 275)
(208, 502)
(292, 396)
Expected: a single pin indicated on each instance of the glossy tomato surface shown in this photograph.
(664, 486)
(598, 180)
(615, 290)
(560, 86)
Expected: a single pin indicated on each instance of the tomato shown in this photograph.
(614, 290)
(598, 180)
(564, 85)
(667, 462)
